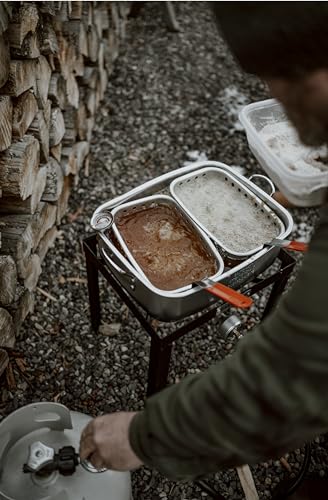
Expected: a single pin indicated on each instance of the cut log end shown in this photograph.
(7, 329)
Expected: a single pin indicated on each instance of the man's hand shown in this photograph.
(105, 442)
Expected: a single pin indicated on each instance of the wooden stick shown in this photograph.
(5, 15)
(4, 60)
(46, 294)
(77, 280)
(10, 377)
(63, 199)
(57, 90)
(21, 77)
(22, 306)
(93, 44)
(7, 330)
(72, 91)
(15, 205)
(57, 127)
(284, 462)
(18, 167)
(29, 49)
(56, 152)
(43, 220)
(46, 242)
(33, 272)
(76, 12)
(25, 109)
(6, 111)
(16, 237)
(4, 360)
(8, 279)
(40, 130)
(42, 82)
(54, 182)
(50, 8)
(247, 482)
(25, 20)
(48, 39)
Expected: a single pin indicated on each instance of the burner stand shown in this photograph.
(161, 347)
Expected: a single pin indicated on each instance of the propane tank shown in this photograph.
(39, 461)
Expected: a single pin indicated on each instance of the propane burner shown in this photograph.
(43, 461)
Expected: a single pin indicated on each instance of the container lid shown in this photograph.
(55, 426)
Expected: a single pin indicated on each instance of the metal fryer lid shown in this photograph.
(55, 426)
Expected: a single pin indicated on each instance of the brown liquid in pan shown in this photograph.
(165, 245)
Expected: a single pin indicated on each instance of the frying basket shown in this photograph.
(219, 203)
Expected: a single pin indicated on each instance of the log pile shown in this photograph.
(55, 60)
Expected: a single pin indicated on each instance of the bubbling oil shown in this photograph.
(166, 246)
(226, 213)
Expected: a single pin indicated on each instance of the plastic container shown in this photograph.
(301, 190)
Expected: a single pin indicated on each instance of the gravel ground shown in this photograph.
(172, 98)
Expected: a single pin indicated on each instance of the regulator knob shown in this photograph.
(43, 460)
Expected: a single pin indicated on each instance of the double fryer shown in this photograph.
(239, 267)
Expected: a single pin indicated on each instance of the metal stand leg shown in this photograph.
(211, 492)
(275, 294)
(279, 286)
(93, 282)
(159, 363)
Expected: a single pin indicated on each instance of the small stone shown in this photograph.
(110, 329)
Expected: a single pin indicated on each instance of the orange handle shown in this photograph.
(297, 246)
(231, 296)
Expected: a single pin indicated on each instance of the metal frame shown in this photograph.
(160, 348)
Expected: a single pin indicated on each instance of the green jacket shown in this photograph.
(266, 399)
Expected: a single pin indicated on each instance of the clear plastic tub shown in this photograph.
(301, 190)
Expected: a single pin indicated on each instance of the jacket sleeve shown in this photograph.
(266, 399)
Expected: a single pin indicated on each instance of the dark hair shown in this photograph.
(275, 38)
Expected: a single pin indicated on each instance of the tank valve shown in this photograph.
(43, 460)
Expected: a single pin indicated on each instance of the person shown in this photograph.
(270, 396)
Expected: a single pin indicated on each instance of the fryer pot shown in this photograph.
(171, 306)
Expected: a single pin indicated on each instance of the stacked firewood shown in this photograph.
(55, 60)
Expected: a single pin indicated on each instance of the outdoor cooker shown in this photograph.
(38, 460)
(175, 305)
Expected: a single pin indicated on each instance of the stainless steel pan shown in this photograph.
(148, 201)
(105, 221)
(174, 306)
